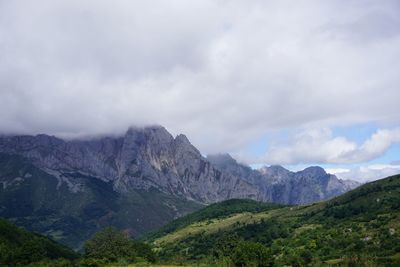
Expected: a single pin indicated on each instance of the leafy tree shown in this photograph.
(225, 245)
(307, 256)
(110, 245)
(251, 254)
(90, 262)
(144, 251)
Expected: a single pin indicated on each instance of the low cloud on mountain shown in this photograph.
(366, 173)
(222, 72)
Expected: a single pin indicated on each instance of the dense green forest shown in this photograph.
(108, 247)
(359, 228)
(21, 248)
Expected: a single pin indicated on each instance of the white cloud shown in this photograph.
(223, 72)
(320, 146)
(336, 170)
(369, 173)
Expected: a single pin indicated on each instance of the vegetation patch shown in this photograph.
(360, 228)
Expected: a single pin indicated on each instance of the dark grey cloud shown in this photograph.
(224, 72)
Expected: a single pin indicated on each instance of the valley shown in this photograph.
(359, 228)
(136, 182)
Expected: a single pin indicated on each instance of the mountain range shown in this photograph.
(68, 189)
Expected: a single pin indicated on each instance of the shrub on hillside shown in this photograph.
(111, 245)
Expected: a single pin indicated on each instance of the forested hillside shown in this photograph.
(20, 248)
(360, 227)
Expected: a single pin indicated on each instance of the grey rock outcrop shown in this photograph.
(143, 158)
(277, 184)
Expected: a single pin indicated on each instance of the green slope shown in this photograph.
(214, 211)
(19, 247)
(34, 199)
(361, 227)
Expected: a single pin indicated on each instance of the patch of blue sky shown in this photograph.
(357, 133)
(391, 155)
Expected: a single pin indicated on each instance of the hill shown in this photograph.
(214, 211)
(20, 248)
(361, 227)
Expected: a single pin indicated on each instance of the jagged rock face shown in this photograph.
(175, 166)
(277, 184)
(144, 158)
(95, 157)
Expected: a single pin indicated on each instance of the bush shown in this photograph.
(52, 263)
(230, 250)
(225, 245)
(90, 262)
(251, 254)
(110, 245)
(113, 246)
(144, 251)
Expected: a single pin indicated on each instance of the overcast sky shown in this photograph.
(296, 83)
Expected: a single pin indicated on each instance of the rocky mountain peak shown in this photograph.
(275, 170)
(157, 134)
(181, 138)
(314, 171)
(222, 159)
(182, 146)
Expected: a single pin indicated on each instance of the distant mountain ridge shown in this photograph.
(279, 185)
(137, 182)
